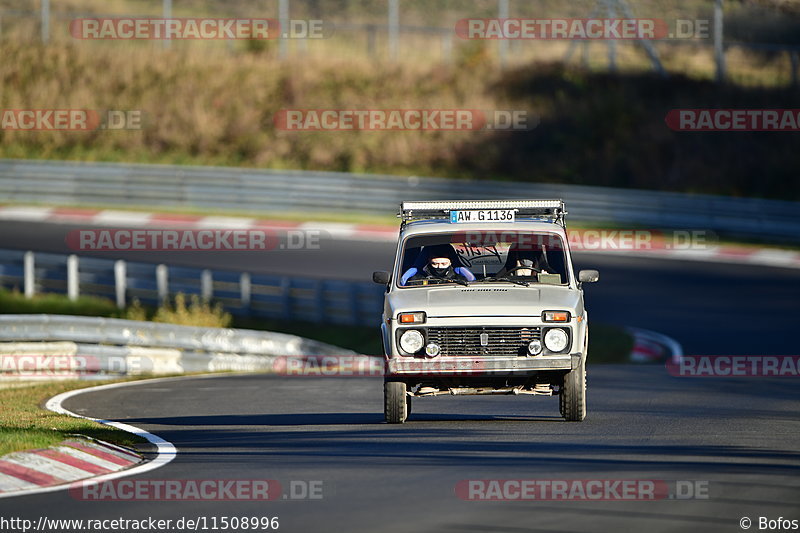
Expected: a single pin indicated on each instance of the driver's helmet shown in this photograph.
(518, 257)
(441, 250)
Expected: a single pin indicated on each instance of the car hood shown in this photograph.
(484, 300)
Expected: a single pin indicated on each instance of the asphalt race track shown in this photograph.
(711, 308)
(736, 438)
(732, 440)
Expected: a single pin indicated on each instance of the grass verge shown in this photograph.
(25, 424)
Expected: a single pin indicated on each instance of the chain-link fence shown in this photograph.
(745, 43)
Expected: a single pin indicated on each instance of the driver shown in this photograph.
(439, 267)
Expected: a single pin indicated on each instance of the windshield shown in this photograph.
(524, 258)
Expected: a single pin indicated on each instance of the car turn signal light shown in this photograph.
(412, 318)
(555, 316)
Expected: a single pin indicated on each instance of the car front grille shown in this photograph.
(497, 341)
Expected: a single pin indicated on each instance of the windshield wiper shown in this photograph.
(438, 281)
(514, 281)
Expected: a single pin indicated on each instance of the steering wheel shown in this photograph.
(535, 270)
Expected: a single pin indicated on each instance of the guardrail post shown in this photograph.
(72, 277)
(206, 285)
(162, 283)
(29, 271)
(245, 288)
(120, 282)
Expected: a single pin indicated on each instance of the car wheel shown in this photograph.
(572, 401)
(395, 404)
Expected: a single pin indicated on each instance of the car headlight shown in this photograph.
(432, 349)
(535, 347)
(556, 339)
(411, 341)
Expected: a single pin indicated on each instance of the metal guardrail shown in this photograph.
(119, 332)
(240, 293)
(72, 183)
(51, 346)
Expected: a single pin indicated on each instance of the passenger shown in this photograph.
(525, 263)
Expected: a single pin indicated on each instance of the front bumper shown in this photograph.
(481, 366)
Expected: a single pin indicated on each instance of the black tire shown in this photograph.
(395, 403)
(408, 407)
(572, 401)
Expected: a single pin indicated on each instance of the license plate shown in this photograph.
(482, 215)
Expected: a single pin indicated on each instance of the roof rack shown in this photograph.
(549, 210)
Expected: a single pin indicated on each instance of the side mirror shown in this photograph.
(381, 277)
(588, 276)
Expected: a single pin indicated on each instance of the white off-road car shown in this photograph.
(483, 300)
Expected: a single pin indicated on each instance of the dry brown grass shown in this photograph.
(206, 104)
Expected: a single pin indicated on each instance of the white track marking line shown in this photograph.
(121, 218)
(165, 450)
(225, 223)
(25, 213)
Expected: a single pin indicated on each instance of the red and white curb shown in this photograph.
(754, 255)
(126, 219)
(71, 460)
(653, 347)
(60, 467)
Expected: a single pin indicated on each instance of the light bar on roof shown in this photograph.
(552, 210)
(482, 204)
